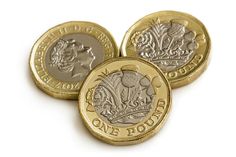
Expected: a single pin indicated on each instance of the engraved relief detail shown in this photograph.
(124, 96)
(72, 57)
(168, 45)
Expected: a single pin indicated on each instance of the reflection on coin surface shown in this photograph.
(176, 42)
(62, 57)
(124, 101)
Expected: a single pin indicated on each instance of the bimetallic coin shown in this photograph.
(62, 57)
(176, 42)
(124, 101)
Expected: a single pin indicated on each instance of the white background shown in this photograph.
(33, 124)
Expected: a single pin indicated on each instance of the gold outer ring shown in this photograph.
(125, 135)
(49, 84)
(189, 71)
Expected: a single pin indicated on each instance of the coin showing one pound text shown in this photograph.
(124, 101)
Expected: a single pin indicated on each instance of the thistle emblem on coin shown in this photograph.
(72, 56)
(168, 45)
(124, 96)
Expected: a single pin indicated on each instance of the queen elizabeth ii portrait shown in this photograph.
(72, 57)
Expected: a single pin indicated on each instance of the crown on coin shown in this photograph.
(126, 113)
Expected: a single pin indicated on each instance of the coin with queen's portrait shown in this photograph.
(62, 57)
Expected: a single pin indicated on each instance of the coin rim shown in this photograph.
(58, 93)
(139, 138)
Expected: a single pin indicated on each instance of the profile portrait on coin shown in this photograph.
(63, 56)
(72, 56)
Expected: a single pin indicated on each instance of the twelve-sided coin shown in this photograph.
(124, 101)
(62, 57)
(176, 42)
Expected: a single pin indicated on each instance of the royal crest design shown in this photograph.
(72, 56)
(122, 97)
(168, 45)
